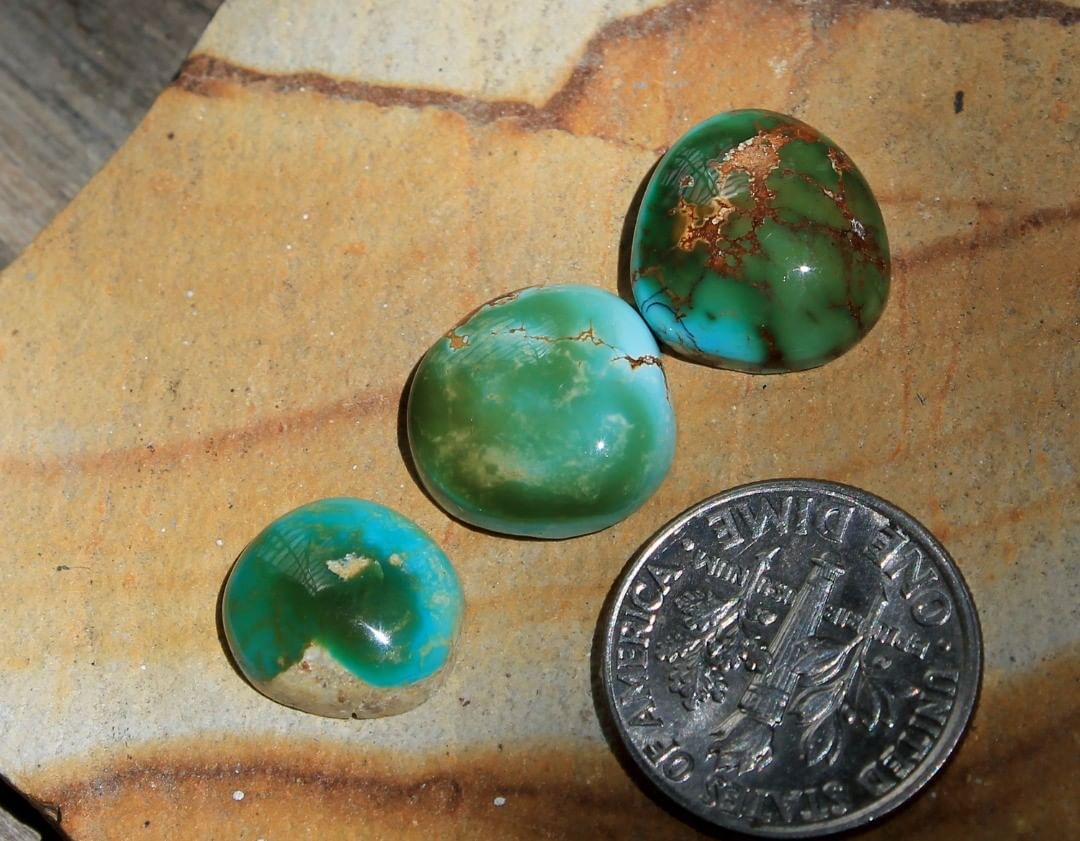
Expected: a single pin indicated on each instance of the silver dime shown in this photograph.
(791, 658)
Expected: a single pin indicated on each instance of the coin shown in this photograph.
(791, 658)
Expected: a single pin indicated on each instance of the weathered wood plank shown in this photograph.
(75, 78)
(13, 830)
(22, 819)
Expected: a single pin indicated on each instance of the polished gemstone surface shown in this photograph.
(759, 246)
(343, 608)
(544, 413)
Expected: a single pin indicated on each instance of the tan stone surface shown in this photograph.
(219, 327)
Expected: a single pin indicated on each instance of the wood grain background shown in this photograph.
(75, 78)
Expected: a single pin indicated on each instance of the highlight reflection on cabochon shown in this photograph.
(343, 608)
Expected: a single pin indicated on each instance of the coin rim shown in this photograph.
(972, 661)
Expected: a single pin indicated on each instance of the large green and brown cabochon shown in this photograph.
(759, 246)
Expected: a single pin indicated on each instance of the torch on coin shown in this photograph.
(791, 658)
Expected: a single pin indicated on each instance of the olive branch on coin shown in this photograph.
(713, 641)
(840, 687)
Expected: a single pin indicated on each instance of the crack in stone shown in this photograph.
(586, 335)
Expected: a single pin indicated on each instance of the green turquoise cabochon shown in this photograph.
(759, 246)
(343, 608)
(544, 413)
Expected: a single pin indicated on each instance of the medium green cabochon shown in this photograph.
(544, 413)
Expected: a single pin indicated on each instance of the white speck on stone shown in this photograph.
(355, 466)
(142, 667)
(190, 293)
(163, 529)
(349, 566)
(500, 801)
(238, 795)
(306, 216)
(219, 542)
(288, 247)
